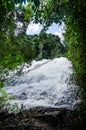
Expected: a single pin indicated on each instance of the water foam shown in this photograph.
(44, 83)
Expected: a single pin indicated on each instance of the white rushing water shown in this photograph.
(44, 83)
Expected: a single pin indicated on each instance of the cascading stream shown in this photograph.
(45, 83)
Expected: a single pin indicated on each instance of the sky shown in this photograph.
(55, 29)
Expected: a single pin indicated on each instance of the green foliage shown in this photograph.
(39, 47)
(14, 108)
(4, 100)
(75, 35)
(10, 56)
(6, 15)
(50, 46)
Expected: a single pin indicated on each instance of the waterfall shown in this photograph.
(45, 83)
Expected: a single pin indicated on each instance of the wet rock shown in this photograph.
(40, 118)
(22, 96)
(53, 117)
(44, 93)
